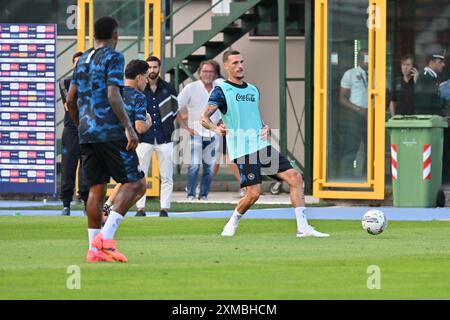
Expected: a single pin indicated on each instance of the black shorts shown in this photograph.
(104, 160)
(267, 161)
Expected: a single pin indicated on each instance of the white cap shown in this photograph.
(438, 56)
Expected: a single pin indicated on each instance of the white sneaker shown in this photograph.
(191, 198)
(311, 232)
(228, 230)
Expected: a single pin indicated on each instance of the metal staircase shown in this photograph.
(244, 16)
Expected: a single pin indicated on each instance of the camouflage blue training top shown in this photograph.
(135, 104)
(95, 71)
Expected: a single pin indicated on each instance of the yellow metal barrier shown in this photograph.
(374, 187)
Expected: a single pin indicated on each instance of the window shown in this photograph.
(295, 21)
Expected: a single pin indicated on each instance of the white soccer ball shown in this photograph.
(374, 221)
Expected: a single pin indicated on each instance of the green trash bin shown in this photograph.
(416, 159)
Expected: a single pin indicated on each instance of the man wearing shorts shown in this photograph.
(248, 145)
(107, 138)
(136, 74)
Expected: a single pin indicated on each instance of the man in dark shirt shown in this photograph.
(162, 105)
(107, 138)
(70, 154)
(429, 101)
(402, 97)
(427, 97)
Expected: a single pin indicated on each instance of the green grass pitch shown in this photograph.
(178, 258)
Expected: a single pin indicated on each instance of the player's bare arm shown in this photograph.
(143, 126)
(265, 131)
(116, 102)
(72, 103)
(206, 122)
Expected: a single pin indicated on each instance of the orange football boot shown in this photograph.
(108, 246)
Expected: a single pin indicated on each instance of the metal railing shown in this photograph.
(171, 15)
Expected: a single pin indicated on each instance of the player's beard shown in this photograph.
(153, 76)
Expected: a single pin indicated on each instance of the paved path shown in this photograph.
(333, 213)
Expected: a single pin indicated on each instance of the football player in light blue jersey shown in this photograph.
(248, 145)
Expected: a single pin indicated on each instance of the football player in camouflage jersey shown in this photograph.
(107, 138)
(136, 74)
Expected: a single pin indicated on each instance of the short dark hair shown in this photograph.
(135, 68)
(229, 53)
(76, 55)
(104, 28)
(154, 58)
(407, 56)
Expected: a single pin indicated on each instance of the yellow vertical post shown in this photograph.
(153, 181)
(91, 23)
(380, 97)
(81, 26)
(147, 28)
(157, 28)
(371, 89)
(158, 20)
(320, 94)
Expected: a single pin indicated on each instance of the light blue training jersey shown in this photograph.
(242, 120)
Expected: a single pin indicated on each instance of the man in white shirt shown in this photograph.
(354, 85)
(192, 100)
(354, 98)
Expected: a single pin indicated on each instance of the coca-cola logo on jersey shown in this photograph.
(245, 97)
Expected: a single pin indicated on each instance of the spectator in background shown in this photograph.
(192, 100)
(427, 98)
(429, 101)
(353, 97)
(71, 153)
(162, 105)
(402, 97)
